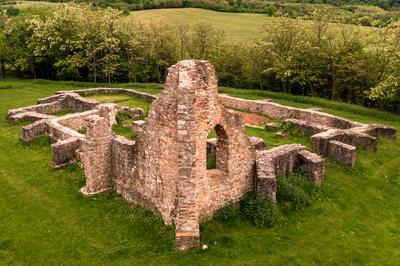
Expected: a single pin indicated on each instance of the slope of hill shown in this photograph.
(376, 13)
(237, 26)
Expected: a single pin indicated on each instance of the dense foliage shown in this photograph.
(79, 42)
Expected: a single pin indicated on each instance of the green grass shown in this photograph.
(63, 112)
(237, 26)
(353, 219)
(122, 100)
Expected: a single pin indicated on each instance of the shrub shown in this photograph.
(295, 189)
(120, 117)
(227, 214)
(293, 131)
(262, 212)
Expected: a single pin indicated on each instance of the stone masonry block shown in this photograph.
(342, 152)
(312, 165)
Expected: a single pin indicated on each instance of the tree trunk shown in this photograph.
(33, 71)
(3, 69)
(333, 86)
(94, 71)
(158, 74)
(129, 67)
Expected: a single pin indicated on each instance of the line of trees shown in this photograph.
(79, 42)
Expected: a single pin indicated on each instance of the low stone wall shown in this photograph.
(119, 91)
(50, 105)
(344, 153)
(45, 108)
(64, 152)
(312, 165)
(34, 130)
(283, 160)
(75, 121)
(278, 111)
(306, 127)
(322, 126)
(320, 141)
(73, 101)
(32, 116)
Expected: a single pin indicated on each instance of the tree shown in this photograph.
(19, 36)
(5, 52)
(204, 38)
(134, 41)
(99, 45)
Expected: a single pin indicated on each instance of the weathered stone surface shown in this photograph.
(109, 112)
(321, 140)
(47, 106)
(342, 152)
(137, 126)
(34, 130)
(265, 184)
(313, 121)
(258, 143)
(96, 156)
(278, 111)
(33, 116)
(317, 109)
(64, 152)
(376, 130)
(283, 160)
(312, 165)
(272, 127)
(119, 91)
(305, 126)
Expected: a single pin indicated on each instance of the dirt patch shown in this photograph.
(254, 119)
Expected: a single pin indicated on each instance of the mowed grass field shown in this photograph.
(44, 220)
(237, 26)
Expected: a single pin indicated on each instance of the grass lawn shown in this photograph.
(44, 220)
(122, 100)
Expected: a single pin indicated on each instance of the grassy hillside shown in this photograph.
(237, 26)
(355, 218)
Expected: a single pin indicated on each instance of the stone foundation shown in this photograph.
(165, 168)
(322, 126)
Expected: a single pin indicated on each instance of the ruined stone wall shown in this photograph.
(117, 91)
(278, 111)
(284, 160)
(75, 121)
(165, 169)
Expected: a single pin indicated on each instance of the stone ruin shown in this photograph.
(165, 168)
(331, 136)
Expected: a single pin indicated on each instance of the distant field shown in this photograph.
(237, 26)
(29, 4)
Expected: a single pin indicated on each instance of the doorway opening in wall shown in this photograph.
(217, 149)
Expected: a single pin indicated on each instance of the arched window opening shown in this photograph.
(217, 149)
